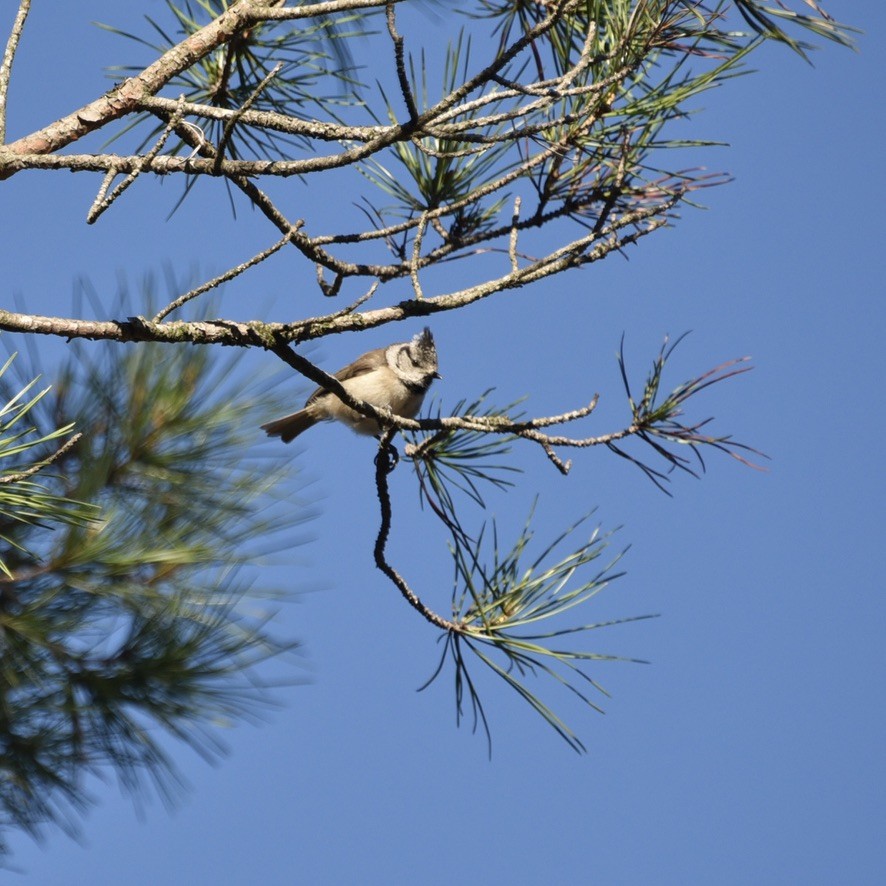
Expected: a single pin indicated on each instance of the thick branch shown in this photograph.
(135, 329)
(126, 97)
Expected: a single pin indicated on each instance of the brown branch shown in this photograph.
(125, 98)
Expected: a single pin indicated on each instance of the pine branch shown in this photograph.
(133, 617)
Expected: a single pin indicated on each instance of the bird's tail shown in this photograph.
(290, 426)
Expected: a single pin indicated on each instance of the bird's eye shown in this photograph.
(404, 359)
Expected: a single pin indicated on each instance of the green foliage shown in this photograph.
(500, 608)
(764, 21)
(120, 628)
(570, 110)
(117, 623)
(516, 619)
(435, 171)
(659, 421)
(770, 22)
(23, 499)
(287, 70)
(462, 460)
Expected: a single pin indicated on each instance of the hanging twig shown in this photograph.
(382, 469)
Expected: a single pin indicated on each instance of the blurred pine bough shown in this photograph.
(125, 561)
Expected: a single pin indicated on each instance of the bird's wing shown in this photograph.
(363, 364)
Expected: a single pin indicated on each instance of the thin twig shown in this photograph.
(356, 303)
(34, 469)
(224, 278)
(18, 26)
(107, 181)
(405, 88)
(416, 255)
(333, 132)
(329, 289)
(232, 121)
(512, 240)
(317, 10)
(101, 203)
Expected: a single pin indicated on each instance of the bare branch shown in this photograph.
(18, 26)
(223, 278)
(416, 255)
(125, 98)
(235, 118)
(102, 202)
(512, 240)
(290, 13)
(34, 469)
(270, 335)
(403, 80)
(324, 131)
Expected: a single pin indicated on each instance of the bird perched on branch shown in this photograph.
(395, 378)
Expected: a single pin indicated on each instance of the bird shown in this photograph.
(395, 378)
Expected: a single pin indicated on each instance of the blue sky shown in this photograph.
(750, 750)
